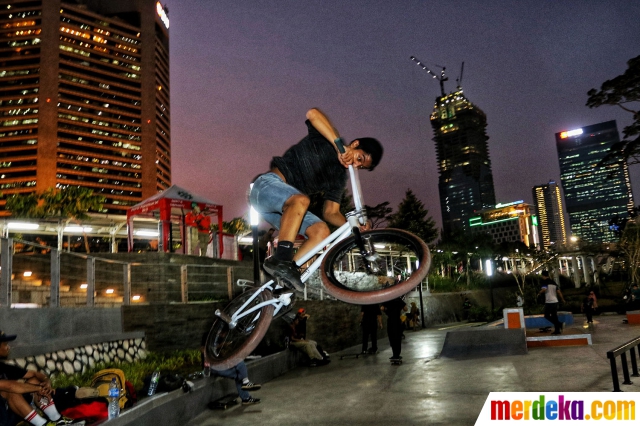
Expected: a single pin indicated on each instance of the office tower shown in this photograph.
(507, 222)
(84, 98)
(593, 193)
(551, 227)
(465, 183)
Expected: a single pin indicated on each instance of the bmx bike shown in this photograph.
(358, 267)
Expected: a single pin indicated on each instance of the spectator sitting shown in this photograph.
(19, 404)
(238, 373)
(297, 339)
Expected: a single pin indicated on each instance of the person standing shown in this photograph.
(394, 309)
(551, 293)
(370, 321)
(589, 306)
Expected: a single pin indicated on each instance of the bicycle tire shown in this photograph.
(224, 347)
(345, 277)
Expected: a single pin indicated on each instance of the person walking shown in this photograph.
(551, 293)
(589, 306)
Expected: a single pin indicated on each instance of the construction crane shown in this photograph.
(459, 79)
(442, 78)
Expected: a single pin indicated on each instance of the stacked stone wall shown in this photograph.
(80, 359)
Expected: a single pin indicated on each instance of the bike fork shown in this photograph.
(367, 251)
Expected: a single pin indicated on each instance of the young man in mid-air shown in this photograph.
(314, 166)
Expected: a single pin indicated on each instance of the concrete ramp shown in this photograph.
(480, 343)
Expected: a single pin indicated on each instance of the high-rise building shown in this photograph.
(551, 227)
(594, 194)
(465, 183)
(508, 222)
(84, 98)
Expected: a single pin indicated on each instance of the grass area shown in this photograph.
(181, 362)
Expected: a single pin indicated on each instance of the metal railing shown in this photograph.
(36, 275)
(621, 351)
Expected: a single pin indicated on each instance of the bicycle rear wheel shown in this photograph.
(226, 347)
(403, 262)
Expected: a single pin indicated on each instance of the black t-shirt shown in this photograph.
(370, 313)
(393, 309)
(312, 167)
(11, 372)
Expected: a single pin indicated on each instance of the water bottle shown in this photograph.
(114, 399)
(153, 384)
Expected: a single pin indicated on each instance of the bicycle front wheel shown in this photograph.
(402, 262)
(225, 346)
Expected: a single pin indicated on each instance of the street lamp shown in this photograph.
(254, 220)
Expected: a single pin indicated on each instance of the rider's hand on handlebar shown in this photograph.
(347, 158)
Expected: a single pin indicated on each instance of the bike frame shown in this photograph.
(355, 219)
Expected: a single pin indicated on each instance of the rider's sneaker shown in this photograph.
(250, 386)
(284, 270)
(250, 401)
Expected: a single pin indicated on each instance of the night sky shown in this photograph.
(243, 75)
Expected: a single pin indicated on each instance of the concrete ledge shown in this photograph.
(481, 343)
(178, 408)
(555, 341)
(633, 317)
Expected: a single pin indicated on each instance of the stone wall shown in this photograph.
(80, 359)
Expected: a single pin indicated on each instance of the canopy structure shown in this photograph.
(170, 205)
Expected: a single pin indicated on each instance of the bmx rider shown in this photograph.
(312, 166)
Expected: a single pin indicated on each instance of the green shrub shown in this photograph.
(181, 362)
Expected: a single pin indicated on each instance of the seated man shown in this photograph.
(297, 339)
(19, 404)
(238, 373)
(314, 166)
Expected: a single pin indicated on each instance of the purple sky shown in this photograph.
(243, 75)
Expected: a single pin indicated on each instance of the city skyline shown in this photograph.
(241, 87)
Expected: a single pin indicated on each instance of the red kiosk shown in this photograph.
(171, 205)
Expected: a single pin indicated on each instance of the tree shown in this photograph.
(378, 215)
(236, 226)
(412, 216)
(630, 246)
(70, 202)
(622, 91)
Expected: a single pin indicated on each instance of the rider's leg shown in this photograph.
(315, 234)
(293, 212)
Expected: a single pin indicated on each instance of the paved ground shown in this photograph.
(425, 390)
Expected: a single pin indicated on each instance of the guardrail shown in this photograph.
(35, 275)
(621, 351)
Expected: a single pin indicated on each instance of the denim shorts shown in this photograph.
(268, 195)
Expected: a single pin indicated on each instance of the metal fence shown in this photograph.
(34, 275)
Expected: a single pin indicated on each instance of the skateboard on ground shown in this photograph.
(396, 361)
(352, 355)
(545, 329)
(224, 402)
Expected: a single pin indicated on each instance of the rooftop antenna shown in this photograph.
(442, 78)
(459, 79)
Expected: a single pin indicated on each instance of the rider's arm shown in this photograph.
(322, 124)
(331, 213)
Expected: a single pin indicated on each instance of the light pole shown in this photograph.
(254, 220)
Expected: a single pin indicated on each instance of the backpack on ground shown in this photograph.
(102, 379)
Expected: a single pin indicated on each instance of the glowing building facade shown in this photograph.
(551, 225)
(84, 98)
(465, 180)
(508, 222)
(593, 193)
